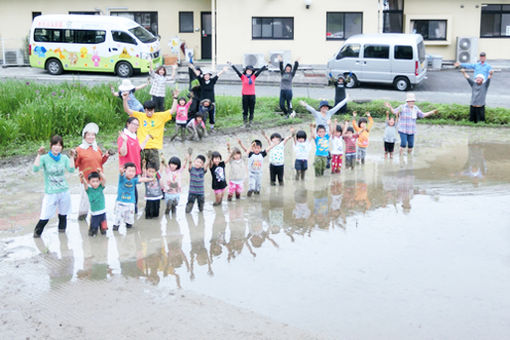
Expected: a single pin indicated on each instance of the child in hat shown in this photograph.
(127, 86)
(323, 115)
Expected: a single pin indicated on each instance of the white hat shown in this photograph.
(90, 127)
(126, 86)
(410, 97)
(479, 75)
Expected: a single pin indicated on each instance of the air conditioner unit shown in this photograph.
(14, 57)
(467, 49)
(254, 59)
(273, 57)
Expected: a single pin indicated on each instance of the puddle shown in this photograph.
(406, 244)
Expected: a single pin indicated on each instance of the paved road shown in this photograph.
(447, 86)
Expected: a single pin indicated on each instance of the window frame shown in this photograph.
(192, 22)
(500, 12)
(428, 22)
(272, 29)
(62, 32)
(395, 47)
(343, 13)
(376, 45)
(123, 42)
(394, 11)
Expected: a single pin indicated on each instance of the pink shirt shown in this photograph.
(172, 183)
(248, 89)
(181, 113)
(133, 153)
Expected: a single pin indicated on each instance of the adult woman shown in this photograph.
(88, 158)
(408, 113)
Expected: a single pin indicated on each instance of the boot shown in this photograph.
(62, 223)
(298, 174)
(229, 197)
(115, 227)
(129, 226)
(168, 207)
(174, 208)
(250, 192)
(303, 175)
(201, 206)
(39, 228)
(189, 207)
(238, 195)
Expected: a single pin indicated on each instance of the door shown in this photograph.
(346, 61)
(206, 31)
(376, 63)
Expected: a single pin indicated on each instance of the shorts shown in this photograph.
(124, 213)
(172, 197)
(52, 202)
(219, 191)
(389, 147)
(234, 187)
(406, 140)
(97, 221)
(301, 164)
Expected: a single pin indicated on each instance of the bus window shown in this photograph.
(123, 37)
(89, 36)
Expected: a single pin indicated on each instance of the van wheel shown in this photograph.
(54, 67)
(401, 83)
(353, 82)
(124, 69)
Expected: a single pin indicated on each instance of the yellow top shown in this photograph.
(363, 137)
(155, 126)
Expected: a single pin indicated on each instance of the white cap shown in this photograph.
(90, 127)
(410, 97)
(479, 75)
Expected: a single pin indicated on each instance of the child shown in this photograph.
(363, 131)
(340, 90)
(390, 135)
(255, 160)
(206, 109)
(56, 189)
(197, 171)
(301, 151)
(248, 80)
(350, 139)
(125, 204)
(196, 127)
(153, 193)
(237, 172)
(276, 156)
(219, 182)
(321, 148)
(94, 189)
(180, 107)
(127, 86)
(286, 87)
(337, 147)
(158, 89)
(172, 183)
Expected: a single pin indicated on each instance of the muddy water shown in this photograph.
(415, 246)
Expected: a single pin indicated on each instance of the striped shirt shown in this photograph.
(158, 88)
(196, 181)
(407, 118)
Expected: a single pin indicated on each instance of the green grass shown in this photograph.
(31, 113)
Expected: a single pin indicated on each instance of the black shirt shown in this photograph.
(218, 176)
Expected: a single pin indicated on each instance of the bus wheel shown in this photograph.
(54, 67)
(123, 69)
(401, 83)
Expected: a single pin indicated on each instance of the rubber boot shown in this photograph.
(174, 208)
(303, 175)
(238, 195)
(62, 223)
(189, 207)
(229, 197)
(200, 205)
(168, 207)
(39, 228)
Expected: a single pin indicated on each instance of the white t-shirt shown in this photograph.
(337, 146)
(276, 155)
(302, 150)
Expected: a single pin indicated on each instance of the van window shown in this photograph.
(403, 52)
(349, 51)
(421, 51)
(123, 37)
(142, 34)
(376, 51)
(89, 36)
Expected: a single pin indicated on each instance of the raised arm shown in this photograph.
(147, 138)
(125, 104)
(223, 70)
(294, 69)
(312, 131)
(123, 147)
(309, 108)
(37, 161)
(114, 93)
(426, 114)
(83, 181)
(370, 121)
(344, 128)
(354, 123)
(242, 145)
(286, 139)
(332, 125)
(464, 73)
(192, 67)
(338, 106)
(265, 136)
(173, 109)
(388, 105)
(239, 74)
(260, 70)
(139, 87)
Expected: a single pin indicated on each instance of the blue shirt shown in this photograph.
(126, 189)
(322, 145)
(479, 68)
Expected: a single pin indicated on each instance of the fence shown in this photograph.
(13, 52)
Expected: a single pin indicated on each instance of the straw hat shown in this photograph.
(410, 97)
(126, 86)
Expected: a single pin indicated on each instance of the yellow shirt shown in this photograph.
(155, 126)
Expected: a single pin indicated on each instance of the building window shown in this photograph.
(148, 20)
(35, 14)
(341, 25)
(376, 51)
(495, 21)
(84, 12)
(430, 29)
(272, 28)
(185, 22)
(393, 16)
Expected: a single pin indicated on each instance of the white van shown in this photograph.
(390, 58)
(93, 43)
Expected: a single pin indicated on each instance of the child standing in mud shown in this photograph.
(153, 192)
(390, 135)
(350, 139)
(337, 147)
(219, 181)
(56, 189)
(237, 172)
(94, 189)
(255, 160)
(363, 130)
(172, 183)
(301, 152)
(321, 148)
(197, 170)
(276, 156)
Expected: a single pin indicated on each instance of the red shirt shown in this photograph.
(248, 89)
(88, 160)
(350, 143)
(133, 153)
